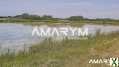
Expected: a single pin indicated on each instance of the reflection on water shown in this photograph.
(17, 36)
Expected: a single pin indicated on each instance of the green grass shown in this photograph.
(68, 53)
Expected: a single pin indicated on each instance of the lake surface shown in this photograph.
(17, 36)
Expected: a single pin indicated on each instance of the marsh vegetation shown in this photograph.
(67, 53)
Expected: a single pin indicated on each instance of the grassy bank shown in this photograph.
(30, 18)
(68, 53)
(52, 21)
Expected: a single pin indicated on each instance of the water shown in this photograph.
(93, 28)
(17, 36)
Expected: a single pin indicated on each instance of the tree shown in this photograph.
(75, 18)
(46, 17)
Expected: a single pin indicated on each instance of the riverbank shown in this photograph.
(68, 53)
(58, 21)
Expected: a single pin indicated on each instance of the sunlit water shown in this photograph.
(17, 36)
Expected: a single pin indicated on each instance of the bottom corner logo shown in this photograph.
(114, 62)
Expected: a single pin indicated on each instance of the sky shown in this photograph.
(62, 8)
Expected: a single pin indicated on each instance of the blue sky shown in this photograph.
(62, 8)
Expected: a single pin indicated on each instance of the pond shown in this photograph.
(17, 36)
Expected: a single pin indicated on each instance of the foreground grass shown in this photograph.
(68, 53)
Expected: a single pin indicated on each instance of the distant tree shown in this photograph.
(24, 15)
(3, 17)
(45, 17)
(34, 17)
(75, 18)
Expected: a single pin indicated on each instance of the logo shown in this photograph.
(59, 31)
(113, 62)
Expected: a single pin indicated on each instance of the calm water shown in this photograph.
(17, 36)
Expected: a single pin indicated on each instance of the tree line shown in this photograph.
(49, 17)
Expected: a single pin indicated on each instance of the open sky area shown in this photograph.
(62, 8)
